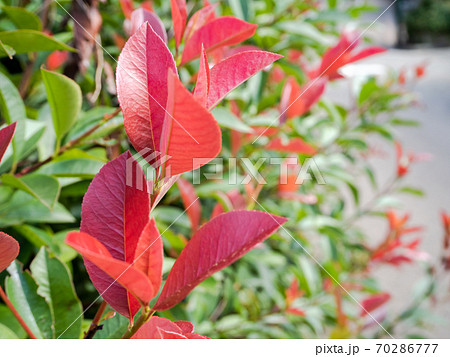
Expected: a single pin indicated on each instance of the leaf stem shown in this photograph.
(70, 144)
(15, 313)
(94, 324)
(146, 315)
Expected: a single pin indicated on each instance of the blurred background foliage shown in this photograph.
(286, 287)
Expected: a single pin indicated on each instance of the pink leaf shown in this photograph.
(191, 203)
(199, 19)
(203, 80)
(9, 250)
(124, 273)
(217, 244)
(296, 145)
(179, 16)
(234, 70)
(142, 87)
(140, 16)
(6, 135)
(222, 31)
(191, 135)
(115, 213)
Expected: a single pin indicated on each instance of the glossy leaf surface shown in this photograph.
(142, 87)
(217, 244)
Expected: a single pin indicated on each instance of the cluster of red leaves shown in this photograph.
(394, 250)
(297, 100)
(418, 72)
(161, 115)
(293, 293)
(404, 161)
(122, 248)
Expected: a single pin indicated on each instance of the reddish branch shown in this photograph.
(69, 145)
(15, 313)
(94, 324)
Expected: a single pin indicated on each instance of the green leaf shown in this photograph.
(38, 237)
(22, 18)
(83, 168)
(55, 285)
(113, 328)
(43, 187)
(412, 191)
(64, 97)
(25, 41)
(227, 119)
(8, 319)
(28, 133)
(6, 51)
(404, 122)
(242, 9)
(7, 333)
(11, 104)
(23, 207)
(305, 29)
(87, 120)
(22, 291)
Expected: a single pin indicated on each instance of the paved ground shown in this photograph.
(433, 177)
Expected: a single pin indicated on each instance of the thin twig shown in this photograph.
(69, 145)
(94, 324)
(15, 313)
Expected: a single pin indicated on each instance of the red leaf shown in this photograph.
(199, 19)
(185, 326)
(142, 87)
(179, 16)
(296, 100)
(340, 55)
(201, 90)
(56, 59)
(124, 273)
(191, 203)
(150, 254)
(295, 311)
(191, 135)
(9, 250)
(370, 51)
(140, 16)
(295, 145)
(234, 70)
(222, 31)
(6, 135)
(217, 244)
(115, 213)
(375, 301)
(161, 328)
